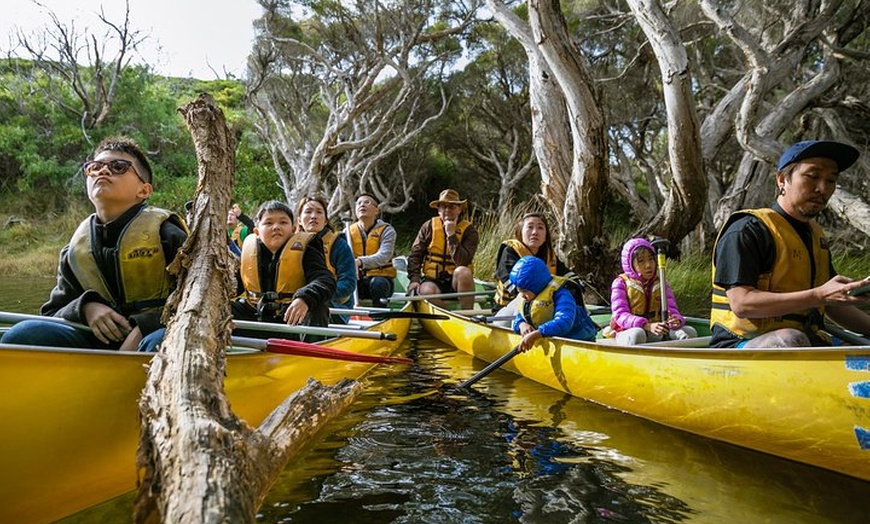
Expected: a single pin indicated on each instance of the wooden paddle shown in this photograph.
(306, 349)
(492, 367)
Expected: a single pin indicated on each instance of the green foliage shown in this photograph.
(42, 146)
(494, 228)
(852, 265)
(256, 181)
(690, 280)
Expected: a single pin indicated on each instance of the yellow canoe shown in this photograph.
(808, 405)
(70, 424)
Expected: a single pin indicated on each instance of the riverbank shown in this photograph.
(29, 247)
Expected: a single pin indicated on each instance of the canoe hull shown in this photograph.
(70, 417)
(807, 405)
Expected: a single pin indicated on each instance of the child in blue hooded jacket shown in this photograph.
(548, 308)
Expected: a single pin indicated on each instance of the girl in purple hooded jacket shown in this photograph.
(635, 300)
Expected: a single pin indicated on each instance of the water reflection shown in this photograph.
(456, 457)
(516, 451)
(24, 294)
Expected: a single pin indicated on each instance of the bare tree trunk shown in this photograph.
(201, 463)
(684, 205)
(91, 79)
(770, 64)
(852, 209)
(565, 112)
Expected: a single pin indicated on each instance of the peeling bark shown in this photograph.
(568, 133)
(684, 204)
(198, 462)
(852, 209)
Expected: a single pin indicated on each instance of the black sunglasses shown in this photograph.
(116, 167)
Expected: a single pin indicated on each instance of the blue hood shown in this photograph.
(531, 273)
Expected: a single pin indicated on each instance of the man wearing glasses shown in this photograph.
(112, 275)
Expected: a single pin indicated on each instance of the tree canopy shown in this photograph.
(677, 110)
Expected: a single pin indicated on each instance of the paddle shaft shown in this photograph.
(592, 310)
(348, 222)
(306, 349)
(14, 318)
(412, 298)
(847, 336)
(312, 330)
(380, 314)
(492, 367)
(661, 259)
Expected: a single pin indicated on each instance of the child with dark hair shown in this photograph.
(112, 275)
(635, 300)
(284, 274)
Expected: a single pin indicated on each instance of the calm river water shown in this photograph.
(516, 451)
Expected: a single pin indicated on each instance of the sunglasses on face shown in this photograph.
(116, 167)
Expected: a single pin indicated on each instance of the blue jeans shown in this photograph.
(379, 289)
(53, 334)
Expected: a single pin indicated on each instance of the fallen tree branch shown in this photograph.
(198, 462)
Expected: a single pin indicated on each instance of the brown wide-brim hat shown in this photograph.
(448, 196)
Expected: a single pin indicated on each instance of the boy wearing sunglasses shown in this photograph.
(112, 275)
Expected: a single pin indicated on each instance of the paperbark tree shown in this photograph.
(341, 92)
(568, 138)
(200, 462)
(687, 195)
(488, 128)
(89, 66)
(793, 54)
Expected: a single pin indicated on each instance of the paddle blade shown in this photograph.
(293, 347)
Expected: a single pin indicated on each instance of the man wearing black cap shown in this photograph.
(773, 280)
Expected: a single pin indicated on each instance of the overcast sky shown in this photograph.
(187, 37)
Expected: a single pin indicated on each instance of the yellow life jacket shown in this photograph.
(143, 281)
(236, 234)
(370, 245)
(542, 308)
(641, 305)
(328, 239)
(290, 274)
(502, 295)
(438, 260)
(791, 272)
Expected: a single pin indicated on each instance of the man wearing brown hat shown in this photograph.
(442, 254)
